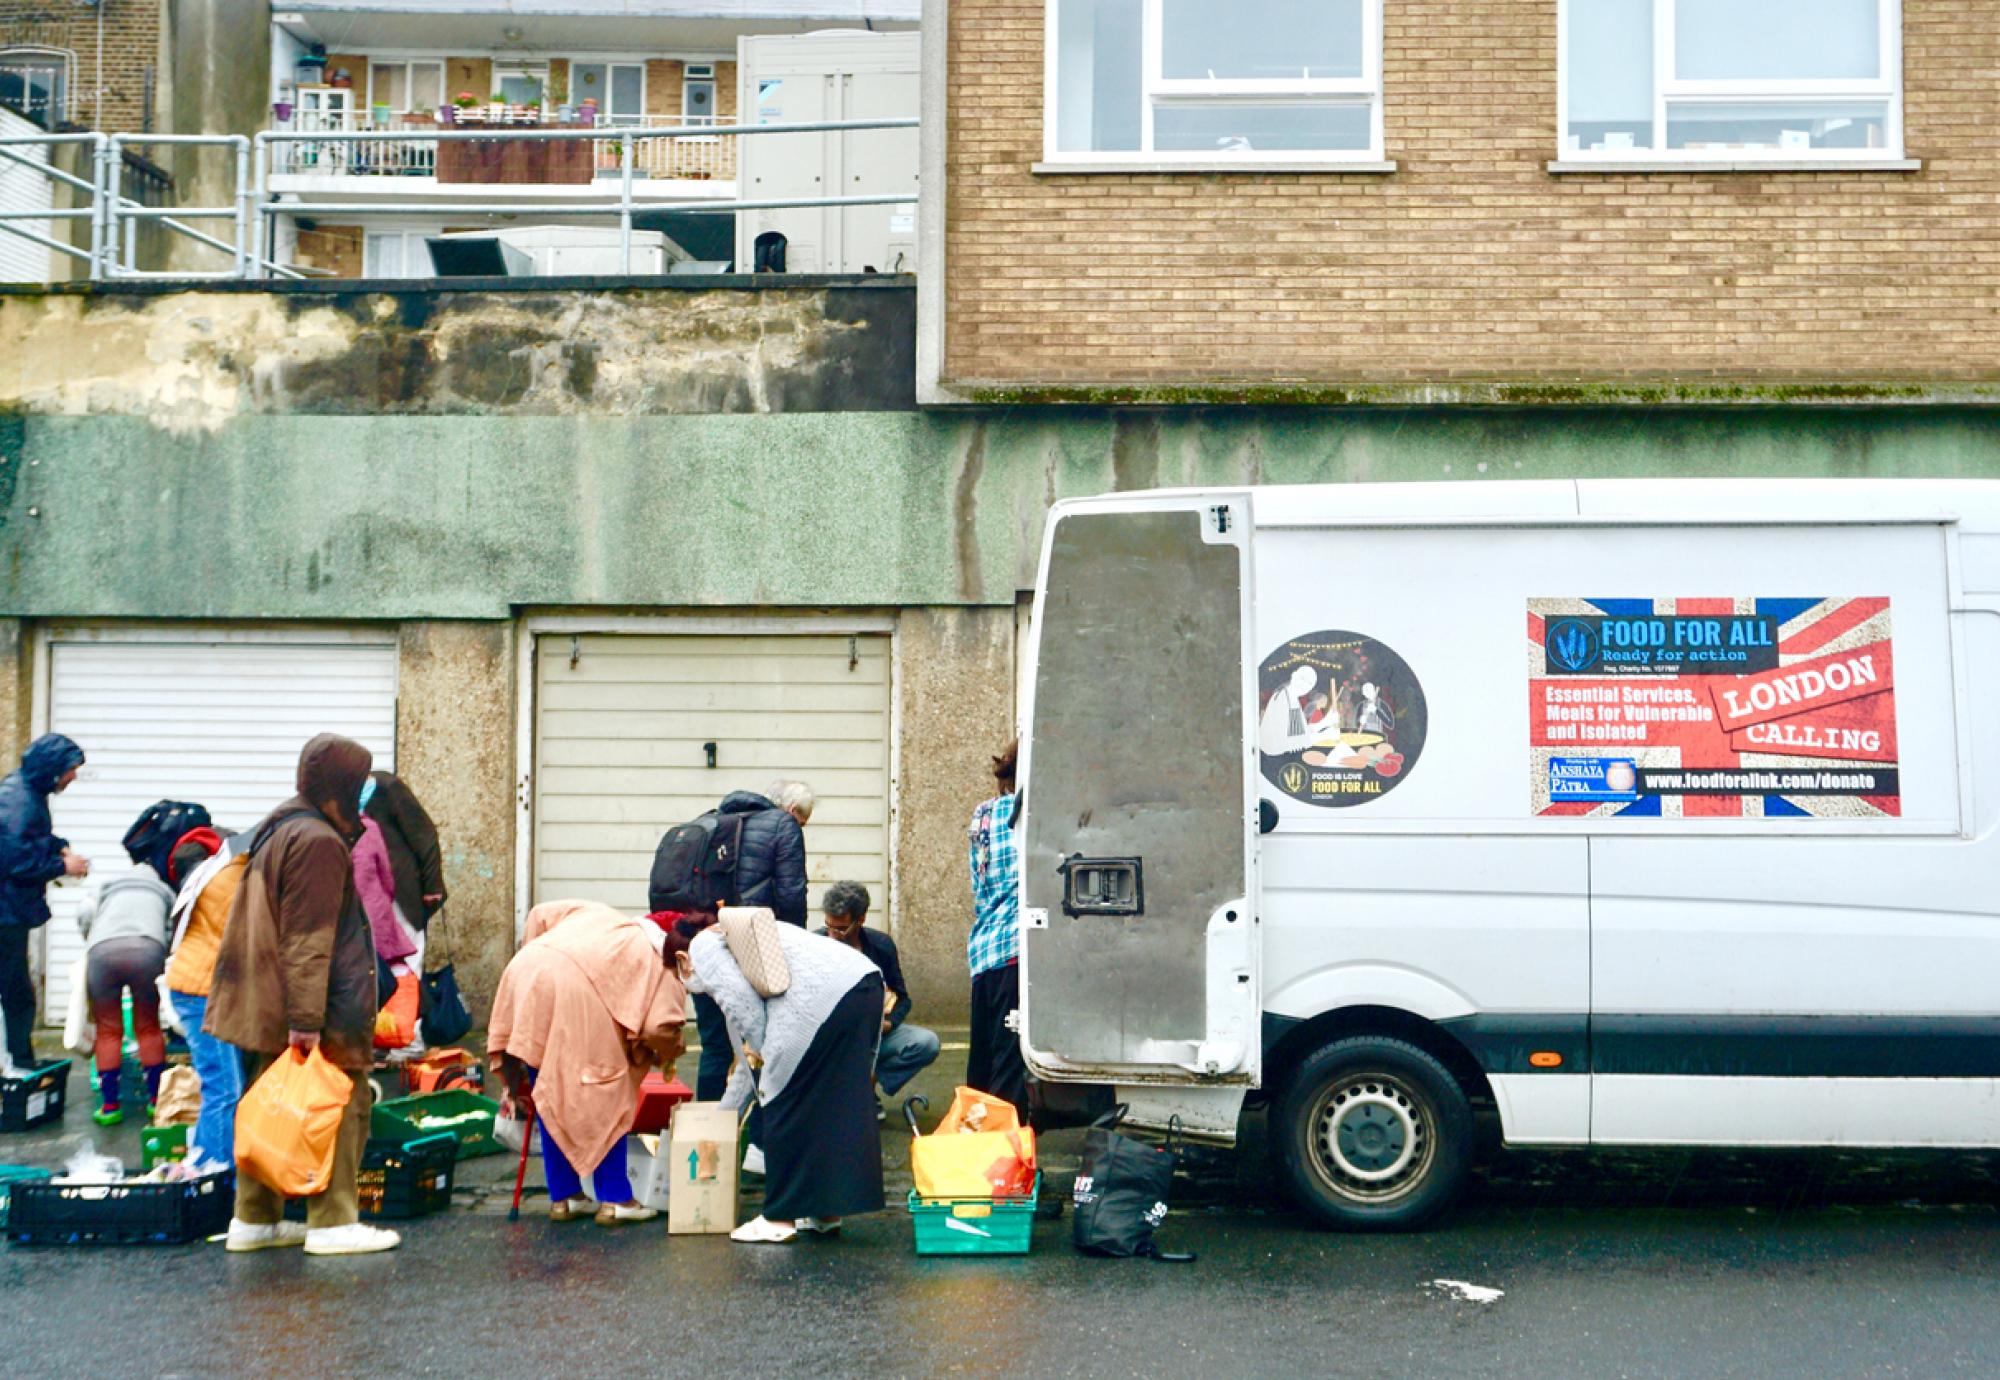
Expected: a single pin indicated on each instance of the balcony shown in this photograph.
(423, 164)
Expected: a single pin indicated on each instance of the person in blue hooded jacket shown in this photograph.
(31, 856)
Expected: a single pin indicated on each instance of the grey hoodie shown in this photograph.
(133, 906)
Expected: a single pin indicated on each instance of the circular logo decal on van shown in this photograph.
(1341, 718)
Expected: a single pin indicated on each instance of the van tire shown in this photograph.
(1374, 1134)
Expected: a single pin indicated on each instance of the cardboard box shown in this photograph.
(701, 1158)
(649, 1167)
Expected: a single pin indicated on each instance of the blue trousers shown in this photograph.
(220, 1067)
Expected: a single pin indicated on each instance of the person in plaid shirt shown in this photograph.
(993, 1064)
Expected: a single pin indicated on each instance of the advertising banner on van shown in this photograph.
(1718, 708)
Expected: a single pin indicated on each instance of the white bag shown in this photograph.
(79, 1032)
(170, 1019)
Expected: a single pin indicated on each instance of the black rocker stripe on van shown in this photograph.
(1716, 1046)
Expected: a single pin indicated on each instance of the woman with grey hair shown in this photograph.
(813, 1049)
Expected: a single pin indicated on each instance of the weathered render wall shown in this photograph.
(189, 362)
(1471, 262)
(216, 81)
(957, 703)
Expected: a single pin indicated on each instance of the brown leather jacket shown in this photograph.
(297, 953)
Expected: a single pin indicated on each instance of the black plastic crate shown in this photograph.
(35, 1097)
(170, 1214)
(400, 1179)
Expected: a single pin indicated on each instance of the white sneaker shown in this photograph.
(252, 1236)
(823, 1226)
(753, 1159)
(356, 1238)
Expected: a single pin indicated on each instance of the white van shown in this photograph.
(1650, 813)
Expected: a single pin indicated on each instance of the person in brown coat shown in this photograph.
(296, 970)
(414, 857)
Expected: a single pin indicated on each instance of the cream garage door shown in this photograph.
(620, 727)
(218, 720)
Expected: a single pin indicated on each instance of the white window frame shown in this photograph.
(1157, 89)
(409, 66)
(637, 118)
(33, 55)
(1670, 90)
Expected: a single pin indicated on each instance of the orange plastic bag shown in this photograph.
(396, 1023)
(287, 1122)
(998, 1116)
(979, 1164)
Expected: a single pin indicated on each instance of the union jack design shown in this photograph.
(1810, 733)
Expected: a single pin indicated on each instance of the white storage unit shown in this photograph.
(213, 717)
(833, 75)
(621, 722)
(557, 250)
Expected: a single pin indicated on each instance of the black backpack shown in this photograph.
(694, 868)
(159, 827)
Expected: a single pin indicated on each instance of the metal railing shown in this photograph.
(114, 217)
(413, 154)
(608, 192)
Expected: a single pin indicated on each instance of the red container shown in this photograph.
(658, 1096)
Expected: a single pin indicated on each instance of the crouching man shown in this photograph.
(296, 970)
(906, 1050)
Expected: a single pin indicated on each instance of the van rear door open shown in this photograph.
(1139, 957)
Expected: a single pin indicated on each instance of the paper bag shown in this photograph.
(701, 1158)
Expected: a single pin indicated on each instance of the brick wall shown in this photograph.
(1471, 262)
(131, 51)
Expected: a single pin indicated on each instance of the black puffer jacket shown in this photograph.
(30, 853)
(772, 870)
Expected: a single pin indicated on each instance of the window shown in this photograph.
(619, 88)
(396, 254)
(698, 94)
(406, 86)
(1192, 81)
(35, 82)
(519, 84)
(1719, 81)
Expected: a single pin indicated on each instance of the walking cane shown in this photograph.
(521, 1172)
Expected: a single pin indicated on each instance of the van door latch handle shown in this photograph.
(1103, 886)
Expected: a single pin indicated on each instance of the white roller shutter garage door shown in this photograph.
(213, 718)
(621, 724)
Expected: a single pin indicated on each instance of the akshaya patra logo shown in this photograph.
(1571, 644)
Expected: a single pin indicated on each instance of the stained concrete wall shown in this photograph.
(455, 748)
(957, 708)
(215, 79)
(189, 362)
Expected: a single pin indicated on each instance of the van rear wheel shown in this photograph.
(1374, 1134)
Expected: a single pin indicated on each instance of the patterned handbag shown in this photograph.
(751, 932)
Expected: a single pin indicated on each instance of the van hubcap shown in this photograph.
(1372, 1139)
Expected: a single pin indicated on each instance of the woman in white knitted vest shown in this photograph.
(813, 1051)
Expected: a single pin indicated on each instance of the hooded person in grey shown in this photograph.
(31, 856)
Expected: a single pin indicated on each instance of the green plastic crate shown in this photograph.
(974, 1226)
(397, 1120)
(160, 1143)
(11, 1174)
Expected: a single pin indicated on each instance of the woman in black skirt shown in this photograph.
(813, 1051)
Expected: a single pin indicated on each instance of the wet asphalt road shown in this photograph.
(1667, 1263)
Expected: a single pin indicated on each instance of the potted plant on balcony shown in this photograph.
(281, 111)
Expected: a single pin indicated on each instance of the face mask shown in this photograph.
(693, 983)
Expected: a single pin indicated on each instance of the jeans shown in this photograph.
(904, 1052)
(220, 1067)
